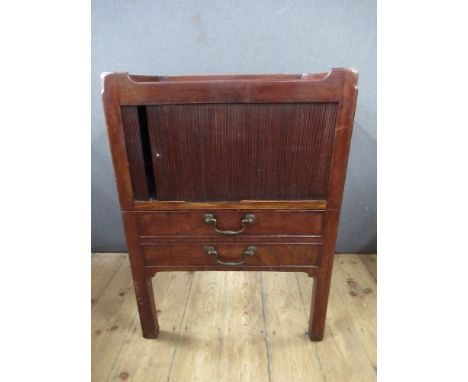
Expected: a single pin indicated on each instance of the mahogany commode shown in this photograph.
(221, 173)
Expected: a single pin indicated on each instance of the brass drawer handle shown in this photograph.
(210, 219)
(249, 251)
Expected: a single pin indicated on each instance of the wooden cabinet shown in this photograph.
(230, 173)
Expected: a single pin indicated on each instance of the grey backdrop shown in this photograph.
(210, 37)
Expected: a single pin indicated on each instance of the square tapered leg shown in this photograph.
(318, 309)
(146, 307)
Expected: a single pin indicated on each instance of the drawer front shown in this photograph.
(231, 254)
(229, 223)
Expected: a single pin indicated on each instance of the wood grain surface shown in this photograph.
(233, 326)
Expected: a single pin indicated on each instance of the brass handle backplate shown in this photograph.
(211, 219)
(249, 251)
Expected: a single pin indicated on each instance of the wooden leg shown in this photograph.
(141, 280)
(146, 307)
(318, 309)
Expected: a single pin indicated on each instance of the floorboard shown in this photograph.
(370, 261)
(234, 326)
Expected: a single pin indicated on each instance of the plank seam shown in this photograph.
(221, 337)
(266, 331)
(352, 318)
(180, 328)
(129, 332)
(121, 260)
(374, 277)
(305, 312)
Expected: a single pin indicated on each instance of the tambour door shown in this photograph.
(230, 151)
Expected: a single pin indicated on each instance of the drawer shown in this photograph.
(231, 254)
(228, 223)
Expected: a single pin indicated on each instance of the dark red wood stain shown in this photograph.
(233, 152)
(271, 145)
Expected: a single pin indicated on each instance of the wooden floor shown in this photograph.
(234, 326)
